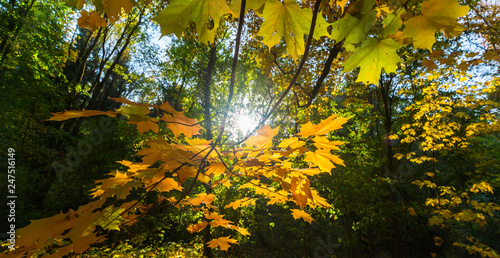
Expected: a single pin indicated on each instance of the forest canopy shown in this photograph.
(250, 128)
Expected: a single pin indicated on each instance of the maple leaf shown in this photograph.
(167, 184)
(202, 198)
(324, 127)
(70, 114)
(110, 218)
(242, 231)
(323, 159)
(290, 21)
(138, 115)
(436, 15)
(197, 227)
(372, 56)
(352, 29)
(292, 142)
(179, 13)
(118, 179)
(301, 190)
(300, 214)
(92, 20)
(263, 139)
(216, 169)
(199, 146)
(255, 5)
(322, 142)
(185, 173)
(222, 242)
(178, 123)
(240, 203)
(392, 23)
(113, 8)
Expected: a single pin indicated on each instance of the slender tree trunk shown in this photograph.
(385, 92)
(207, 105)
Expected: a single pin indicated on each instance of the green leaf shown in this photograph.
(436, 15)
(110, 218)
(392, 23)
(290, 21)
(255, 5)
(352, 29)
(179, 13)
(372, 56)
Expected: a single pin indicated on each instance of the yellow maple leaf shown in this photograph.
(324, 127)
(436, 15)
(118, 179)
(292, 142)
(323, 159)
(322, 142)
(92, 20)
(70, 114)
(242, 231)
(300, 214)
(216, 169)
(178, 123)
(186, 172)
(197, 227)
(202, 198)
(255, 5)
(222, 242)
(263, 139)
(113, 8)
(167, 184)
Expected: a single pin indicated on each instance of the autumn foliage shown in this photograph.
(403, 102)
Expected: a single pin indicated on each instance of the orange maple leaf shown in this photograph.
(324, 127)
(263, 139)
(300, 214)
(222, 242)
(70, 114)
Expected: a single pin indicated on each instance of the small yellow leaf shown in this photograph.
(324, 127)
(92, 20)
(202, 198)
(114, 8)
(197, 227)
(263, 139)
(70, 114)
(322, 142)
(300, 214)
(216, 169)
(222, 242)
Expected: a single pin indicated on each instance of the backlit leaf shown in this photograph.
(287, 19)
(436, 15)
(372, 57)
(197, 227)
(324, 127)
(113, 8)
(222, 242)
(70, 114)
(179, 13)
(92, 20)
(300, 214)
(352, 29)
(263, 139)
